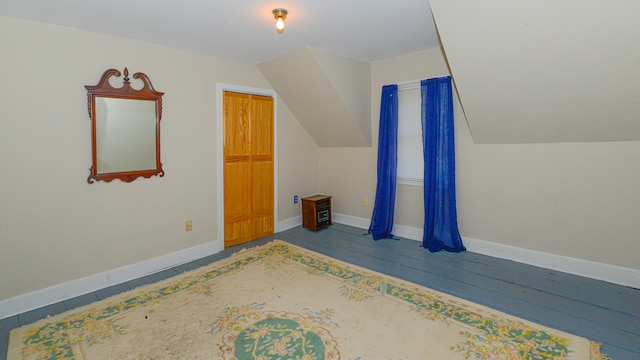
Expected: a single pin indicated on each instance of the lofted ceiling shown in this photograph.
(335, 107)
(531, 71)
(544, 71)
(365, 30)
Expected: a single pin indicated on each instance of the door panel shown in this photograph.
(248, 167)
(238, 197)
(236, 125)
(262, 200)
(262, 134)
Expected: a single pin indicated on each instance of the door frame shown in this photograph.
(220, 89)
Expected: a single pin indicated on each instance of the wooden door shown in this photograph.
(248, 167)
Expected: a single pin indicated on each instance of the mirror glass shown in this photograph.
(125, 129)
(125, 135)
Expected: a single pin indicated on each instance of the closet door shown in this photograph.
(248, 167)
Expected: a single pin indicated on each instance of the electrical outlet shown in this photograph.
(188, 225)
(365, 201)
(295, 199)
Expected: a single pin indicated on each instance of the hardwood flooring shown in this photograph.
(601, 311)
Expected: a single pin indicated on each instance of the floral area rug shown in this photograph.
(279, 301)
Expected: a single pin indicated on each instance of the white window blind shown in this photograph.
(410, 159)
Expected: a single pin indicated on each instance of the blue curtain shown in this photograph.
(382, 218)
(440, 218)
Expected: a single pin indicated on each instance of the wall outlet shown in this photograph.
(365, 201)
(188, 225)
(295, 199)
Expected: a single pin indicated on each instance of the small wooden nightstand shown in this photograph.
(316, 212)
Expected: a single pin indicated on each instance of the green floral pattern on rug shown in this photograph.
(251, 333)
(276, 338)
(499, 339)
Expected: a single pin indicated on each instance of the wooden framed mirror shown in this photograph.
(125, 128)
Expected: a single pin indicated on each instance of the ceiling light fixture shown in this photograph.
(280, 15)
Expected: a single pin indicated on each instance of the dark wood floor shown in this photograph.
(600, 311)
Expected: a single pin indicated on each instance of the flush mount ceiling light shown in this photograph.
(280, 15)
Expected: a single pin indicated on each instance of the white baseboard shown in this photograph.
(289, 223)
(65, 291)
(351, 220)
(51, 295)
(591, 269)
(406, 232)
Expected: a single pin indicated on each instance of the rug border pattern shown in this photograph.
(42, 337)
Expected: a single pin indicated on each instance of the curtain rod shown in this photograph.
(413, 84)
(409, 85)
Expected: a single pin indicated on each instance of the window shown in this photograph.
(410, 159)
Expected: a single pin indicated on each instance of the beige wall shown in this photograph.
(573, 199)
(349, 174)
(54, 226)
(578, 200)
(297, 163)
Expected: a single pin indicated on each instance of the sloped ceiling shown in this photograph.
(541, 71)
(329, 94)
(366, 30)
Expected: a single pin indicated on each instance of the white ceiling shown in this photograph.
(366, 30)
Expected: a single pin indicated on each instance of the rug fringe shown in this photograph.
(250, 248)
(595, 352)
